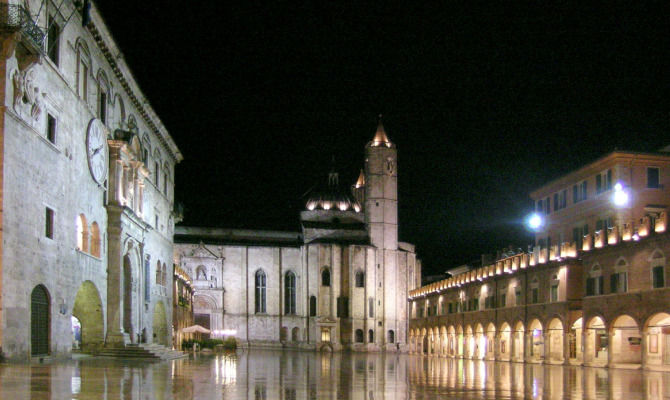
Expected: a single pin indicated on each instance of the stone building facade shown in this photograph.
(341, 282)
(598, 298)
(87, 172)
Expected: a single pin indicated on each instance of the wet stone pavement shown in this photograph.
(289, 375)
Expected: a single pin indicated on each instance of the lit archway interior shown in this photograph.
(88, 310)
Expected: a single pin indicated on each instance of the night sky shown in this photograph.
(485, 104)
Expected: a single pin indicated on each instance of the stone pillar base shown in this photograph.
(117, 339)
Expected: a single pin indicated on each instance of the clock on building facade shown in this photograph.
(96, 150)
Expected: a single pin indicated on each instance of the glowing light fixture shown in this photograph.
(620, 197)
(534, 221)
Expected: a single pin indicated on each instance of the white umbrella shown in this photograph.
(195, 328)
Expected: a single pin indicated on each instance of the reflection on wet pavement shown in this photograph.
(306, 375)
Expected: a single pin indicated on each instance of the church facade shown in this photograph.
(341, 282)
(87, 174)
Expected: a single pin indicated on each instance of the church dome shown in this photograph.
(332, 197)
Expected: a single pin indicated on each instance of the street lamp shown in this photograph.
(620, 197)
(534, 221)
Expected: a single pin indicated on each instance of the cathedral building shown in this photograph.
(340, 282)
(87, 174)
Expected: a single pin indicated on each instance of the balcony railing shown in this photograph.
(15, 18)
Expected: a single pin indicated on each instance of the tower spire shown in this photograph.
(380, 138)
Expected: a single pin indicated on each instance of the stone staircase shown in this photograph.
(142, 351)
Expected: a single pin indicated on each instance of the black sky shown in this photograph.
(485, 103)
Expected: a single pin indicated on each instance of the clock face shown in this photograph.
(96, 150)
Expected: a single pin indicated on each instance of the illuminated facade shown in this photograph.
(341, 282)
(592, 291)
(87, 190)
(182, 306)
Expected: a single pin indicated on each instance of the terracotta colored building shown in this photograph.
(592, 291)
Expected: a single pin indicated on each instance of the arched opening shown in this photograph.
(325, 277)
(505, 342)
(555, 335)
(480, 342)
(82, 233)
(76, 333)
(658, 339)
(127, 295)
(295, 334)
(424, 341)
(626, 341)
(359, 336)
(87, 310)
(40, 320)
(391, 337)
(160, 324)
(597, 342)
(371, 336)
(451, 341)
(536, 341)
(283, 334)
(443, 340)
(460, 347)
(360, 279)
(490, 341)
(575, 341)
(469, 342)
(95, 240)
(518, 342)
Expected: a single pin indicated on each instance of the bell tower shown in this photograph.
(381, 190)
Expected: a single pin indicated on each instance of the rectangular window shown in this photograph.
(49, 223)
(599, 184)
(653, 177)
(51, 128)
(554, 292)
(503, 300)
(584, 191)
(589, 286)
(517, 297)
(535, 295)
(442, 308)
(53, 32)
(540, 207)
(618, 282)
(608, 181)
(556, 203)
(658, 277)
(475, 304)
(564, 198)
(575, 193)
(371, 307)
(547, 205)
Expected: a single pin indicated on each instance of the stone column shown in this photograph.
(115, 334)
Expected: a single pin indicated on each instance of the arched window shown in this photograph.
(371, 336)
(95, 239)
(325, 277)
(158, 273)
(82, 233)
(121, 115)
(164, 274)
(83, 69)
(289, 293)
(103, 96)
(359, 335)
(259, 294)
(360, 279)
(535, 291)
(391, 336)
(312, 306)
(146, 150)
